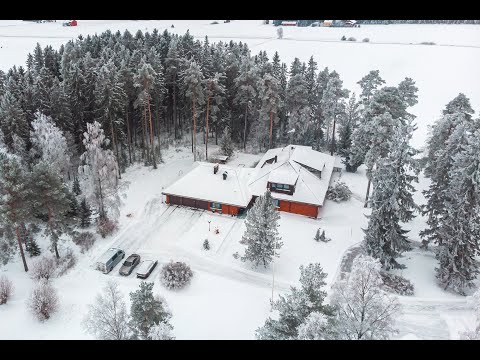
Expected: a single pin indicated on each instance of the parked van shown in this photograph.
(109, 260)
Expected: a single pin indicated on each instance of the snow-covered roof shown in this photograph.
(242, 183)
(202, 184)
(309, 187)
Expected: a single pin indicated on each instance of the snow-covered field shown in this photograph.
(227, 299)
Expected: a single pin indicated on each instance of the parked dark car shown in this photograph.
(146, 268)
(129, 264)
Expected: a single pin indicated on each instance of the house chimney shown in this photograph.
(215, 168)
(225, 173)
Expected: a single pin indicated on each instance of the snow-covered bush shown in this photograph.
(475, 334)
(351, 38)
(339, 191)
(236, 255)
(427, 43)
(66, 262)
(161, 331)
(175, 275)
(320, 236)
(44, 267)
(397, 284)
(43, 300)
(343, 38)
(6, 289)
(85, 240)
(105, 227)
(214, 23)
(280, 33)
(206, 245)
(366, 40)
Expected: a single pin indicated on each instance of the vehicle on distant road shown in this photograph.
(146, 267)
(110, 259)
(129, 264)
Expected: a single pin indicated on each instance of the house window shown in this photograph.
(282, 187)
(216, 206)
(274, 186)
(276, 202)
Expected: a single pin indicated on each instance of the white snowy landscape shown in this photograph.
(228, 298)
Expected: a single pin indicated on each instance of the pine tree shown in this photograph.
(13, 120)
(50, 196)
(269, 95)
(84, 214)
(261, 234)
(147, 311)
(32, 247)
(348, 122)
(215, 92)
(317, 235)
(369, 84)
(245, 84)
(15, 196)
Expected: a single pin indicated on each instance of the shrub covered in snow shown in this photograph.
(6, 289)
(66, 262)
(339, 191)
(85, 240)
(236, 255)
(161, 331)
(106, 227)
(43, 300)
(351, 38)
(206, 245)
(175, 275)
(366, 40)
(44, 267)
(397, 284)
(343, 38)
(320, 236)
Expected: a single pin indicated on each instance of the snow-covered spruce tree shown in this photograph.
(76, 186)
(460, 227)
(107, 317)
(246, 90)
(392, 200)
(110, 99)
(474, 334)
(15, 197)
(193, 80)
(347, 123)
(226, 143)
(50, 200)
(147, 311)
(299, 113)
(32, 247)
(269, 95)
(369, 84)
(99, 172)
(43, 301)
(261, 234)
(317, 236)
(215, 94)
(49, 145)
(294, 308)
(363, 311)
(439, 159)
(13, 120)
(85, 214)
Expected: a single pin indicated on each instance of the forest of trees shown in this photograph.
(73, 120)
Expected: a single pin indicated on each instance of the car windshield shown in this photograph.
(127, 263)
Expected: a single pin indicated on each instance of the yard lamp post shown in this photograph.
(209, 221)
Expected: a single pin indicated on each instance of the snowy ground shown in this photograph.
(227, 299)
(440, 71)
